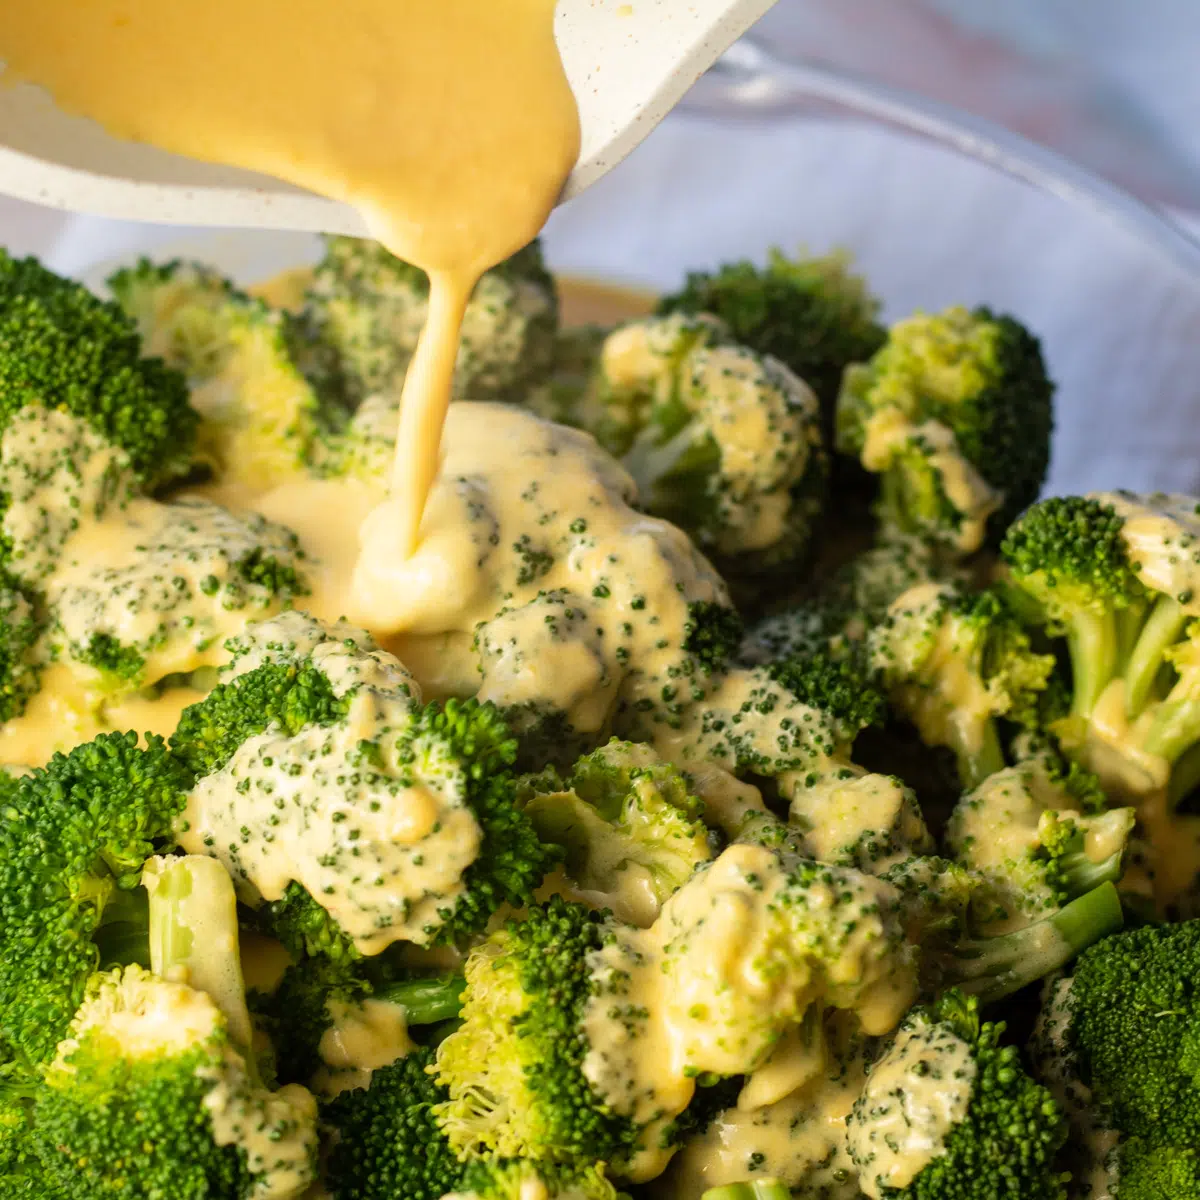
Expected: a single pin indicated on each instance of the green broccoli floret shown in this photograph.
(514, 1070)
(60, 346)
(1131, 1020)
(259, 417)
(365, 310)
(1040, 835)
(423, 793)
(938, 903)
(632, 830)
(956, 664)
(722, 441)
(388, 1145)
(954, 413)
(154, 1091)
(1110, 575)
(813, 314)
(73, 841)
(20, 667)
(992, 1134)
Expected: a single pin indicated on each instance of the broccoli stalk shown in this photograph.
(155, 1090)
(760, 1189)
(1098, 584)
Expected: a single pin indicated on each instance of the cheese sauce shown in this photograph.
(449, 126)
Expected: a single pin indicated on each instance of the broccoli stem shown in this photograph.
(1185, 777)
(1176, 727)
(1080, 874)
(1094, 645)
(426, 1001)
(763, 1189)
(995, 967)
(194, 935)
(123, 937)
(1160, 631)
(977, 763)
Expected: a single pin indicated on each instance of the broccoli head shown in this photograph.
(812, 314)
(954, 413)
(956, 664)
(515, 1069)
(1040, 835)
(365, 310)
(259, 417)
(73, 842)
(316, 729)
(154, 1091)
(632, 830)
(1111, 575)
(62, 348)
(722, 441)
(992, 1132)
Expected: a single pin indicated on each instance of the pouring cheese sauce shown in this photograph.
(450, 126)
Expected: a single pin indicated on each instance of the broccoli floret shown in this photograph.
(954, 413)
(632, 830)
(154, 1090)
(1131, 1025)
(722, 441)
(73, 841)
(259, 416)
(1110, 575)
(388, 1144)
(365, 310)
(1035, 833)
(955, 664)
(515, 1068)
(813, 314)
(423, 793)
(20, 667)
(61, 346)
(991, 1133)
(938, 901)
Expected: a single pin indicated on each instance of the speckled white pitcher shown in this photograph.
(628, 62)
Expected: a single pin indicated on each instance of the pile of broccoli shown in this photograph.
(852, 856)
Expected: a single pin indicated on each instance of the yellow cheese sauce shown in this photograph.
(451, 127)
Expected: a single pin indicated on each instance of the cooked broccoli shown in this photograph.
(812, 314)
(956, 664)
(1110, 574)
(760, 1189)
(388, 1145)
(948, 1113)
(259, 416)
(365, 309)
(73, 841)
(938, 900)
(419, 836)
(154, 1090)
(1040, 836)
(551, 1060)
(632, 830)
(515, 1069)
(61, 346)
(954, 413)
(722, 441)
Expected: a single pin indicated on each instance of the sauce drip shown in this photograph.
(450, 126)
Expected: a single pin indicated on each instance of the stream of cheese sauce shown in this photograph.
(451, 127)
